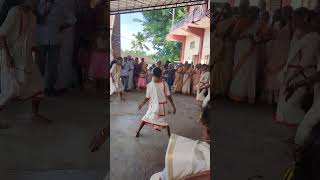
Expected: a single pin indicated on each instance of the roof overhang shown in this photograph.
(131, 6)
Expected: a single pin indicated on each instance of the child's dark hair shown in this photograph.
(157, 72)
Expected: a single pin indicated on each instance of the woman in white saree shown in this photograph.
(204, 81)
(302, 62)
(186, 82)
(20, 76)
(312, 117)
(249, 32)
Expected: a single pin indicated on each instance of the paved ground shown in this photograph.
(138, 159)
(247, 142)
(58, 151)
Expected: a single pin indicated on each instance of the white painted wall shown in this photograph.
(206, 45)
(188, 53)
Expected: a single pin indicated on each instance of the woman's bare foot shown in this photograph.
(40, 118)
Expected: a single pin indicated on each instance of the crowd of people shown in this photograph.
(270, 60)
(129, 73)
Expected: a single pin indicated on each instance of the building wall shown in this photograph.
(190, 52)
(206, 46)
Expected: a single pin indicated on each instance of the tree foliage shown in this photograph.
(157, 24)
(138, 44)
(135, 53)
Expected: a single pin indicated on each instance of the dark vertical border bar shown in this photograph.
(212, 28)
(108, 38)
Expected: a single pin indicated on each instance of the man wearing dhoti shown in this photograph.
(20, 76)
(302, 62)
(249, 32)
(158, 93)
(116, 85)
(204, 81)
(186, 81)
(187, 158)
(223, 50)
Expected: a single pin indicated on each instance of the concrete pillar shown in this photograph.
(116, 37)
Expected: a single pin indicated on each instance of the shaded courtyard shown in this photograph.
(30, 151)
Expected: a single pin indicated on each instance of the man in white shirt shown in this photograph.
(52, 20)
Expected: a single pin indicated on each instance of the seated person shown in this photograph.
(188, 159)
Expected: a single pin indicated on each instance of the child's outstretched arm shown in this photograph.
(143, 103)
(172, 103)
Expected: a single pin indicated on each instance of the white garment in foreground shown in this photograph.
(157, 111)
(184, 157)
(19, 28)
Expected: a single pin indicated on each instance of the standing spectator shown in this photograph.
(136, 71)
(51, 22)
(18, 41)
(131, 73)
(125, 73)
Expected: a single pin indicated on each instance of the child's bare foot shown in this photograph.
(137, 134)
(157, 129)
(40, 118)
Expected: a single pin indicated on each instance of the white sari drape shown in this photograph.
(186, 83)
(184, 157)
(302, 55)
(243, 84)
(204, 80)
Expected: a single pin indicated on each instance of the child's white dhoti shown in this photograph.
(157, 94)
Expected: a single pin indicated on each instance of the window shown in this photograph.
(192, 45)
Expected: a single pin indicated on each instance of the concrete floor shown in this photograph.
(138, 158)
(247, 143)
(58, 151)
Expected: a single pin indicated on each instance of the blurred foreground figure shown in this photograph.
(20, 76)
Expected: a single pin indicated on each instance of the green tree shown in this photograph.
(157, 24)
(138, 44)
(135, 53)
